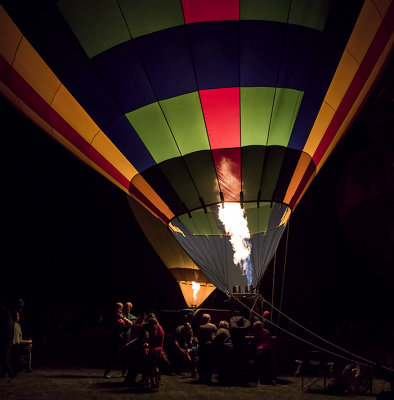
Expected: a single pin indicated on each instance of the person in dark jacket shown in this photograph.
(224, 354)
(205, 334)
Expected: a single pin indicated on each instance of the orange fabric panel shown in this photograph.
(187, 290)
(108, 150)
(382, 6)
(72, 112)
(364, 31)
(357, 46)
(10, 36)
(32, 68)
(299, 172)
(320, 126)
(140, 183)
(360, 99)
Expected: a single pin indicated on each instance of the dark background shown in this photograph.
(70, 239)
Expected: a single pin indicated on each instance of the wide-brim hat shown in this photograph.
(234, 321)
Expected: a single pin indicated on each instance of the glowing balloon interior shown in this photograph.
(191, 105)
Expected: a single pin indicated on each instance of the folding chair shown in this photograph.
(314, 371)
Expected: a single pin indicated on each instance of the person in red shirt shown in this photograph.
(156, 339)
(263, 350)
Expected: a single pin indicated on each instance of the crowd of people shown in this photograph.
(138, 342)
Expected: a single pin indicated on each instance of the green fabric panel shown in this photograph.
(267, 10)
(152, 128)
(272, 167)
(206, 223)
(189, 223)
(286, 106)
(185, 117)
(98, 25)
(309, 13)
(256, 107)
(202, 169)
(147, 16)
(201, 223)
(180, 180)
(258, 217)
(252, 161)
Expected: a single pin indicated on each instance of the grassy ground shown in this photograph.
(89, 384)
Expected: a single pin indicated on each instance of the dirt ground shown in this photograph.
(89, 384)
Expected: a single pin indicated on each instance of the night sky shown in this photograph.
(70, 238)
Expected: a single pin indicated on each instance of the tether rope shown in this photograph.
(284, 270)
(306, 341)
(370, 363)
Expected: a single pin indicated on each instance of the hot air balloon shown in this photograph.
(213, 115)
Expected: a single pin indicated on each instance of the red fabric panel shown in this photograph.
(5, 71)
(210, 10)
(69, 133)
(228, 170)
(305, 179)
(222, 117)
(26, 93)
(133, 190)
(369, 61)
(104, 164)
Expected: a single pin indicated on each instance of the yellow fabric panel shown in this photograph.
(72, 112)
(10, 36)
(357, 104)
(109, 151)
(189, 265)
(205, 290)
(35, 71)
(382, 6)
(343, 76)
(364, 31)
(140, 183)
(319, 128)
(299, 172)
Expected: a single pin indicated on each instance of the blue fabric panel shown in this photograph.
(215, 51)
(128, 142)
(122, 71)
(48, 32)
(94, 97)
(298, 55)
(157, 180)
(260, 52)
(166, 57)
(339, 25)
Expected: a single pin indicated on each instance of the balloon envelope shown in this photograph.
(195, 286)
(189, 106)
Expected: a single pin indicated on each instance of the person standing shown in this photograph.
(205, 334)
(263, 353)
(155, 340)
(182, 340)
(120, 325)
(6, 338)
